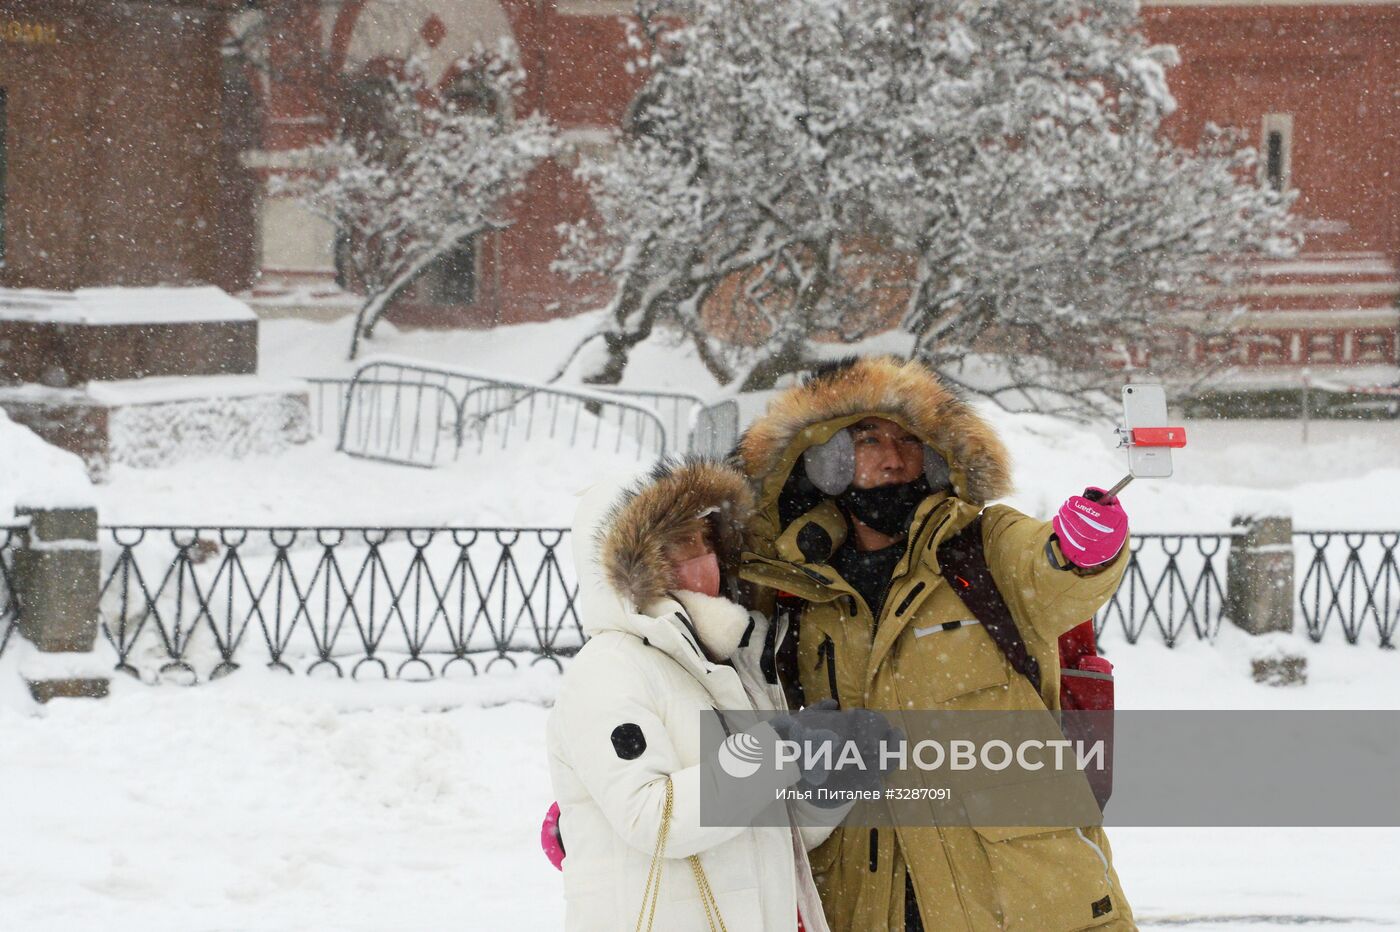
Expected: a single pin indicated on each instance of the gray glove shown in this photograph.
(808, 728)
(826, 722)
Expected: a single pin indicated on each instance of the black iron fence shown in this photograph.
(10, 538)
(1174, 587)
(413, 603)
(1350, 580)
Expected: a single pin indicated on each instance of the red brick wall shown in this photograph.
(1334, 68)
(114, 156)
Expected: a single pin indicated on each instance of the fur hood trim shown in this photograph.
(908, 392)
(655, 512)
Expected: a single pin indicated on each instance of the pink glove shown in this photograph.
(550, 839)
(1091, 532)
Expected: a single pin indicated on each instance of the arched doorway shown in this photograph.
(443, 36)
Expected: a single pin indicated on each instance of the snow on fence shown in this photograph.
(417, 603)
(411, 414)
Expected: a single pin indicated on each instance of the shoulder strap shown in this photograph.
(652, 895)
(963, 563)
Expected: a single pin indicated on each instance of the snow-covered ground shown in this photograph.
(268, 803)
(262, 802)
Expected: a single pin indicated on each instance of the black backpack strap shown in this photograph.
(964, 565)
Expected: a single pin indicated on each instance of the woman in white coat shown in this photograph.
(663, 648)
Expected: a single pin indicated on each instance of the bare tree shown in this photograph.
(421, 177)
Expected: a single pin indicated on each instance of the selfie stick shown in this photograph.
(1169, 437)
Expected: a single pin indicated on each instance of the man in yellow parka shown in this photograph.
(861, 473)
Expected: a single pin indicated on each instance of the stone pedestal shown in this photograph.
(1259, 575)
(58, 578)
(62, 339)
(1259, 596)
(69, 688)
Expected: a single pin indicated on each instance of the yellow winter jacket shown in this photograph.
(1035, 879)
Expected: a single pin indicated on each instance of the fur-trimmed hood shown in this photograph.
(906, 392)
(633, 536)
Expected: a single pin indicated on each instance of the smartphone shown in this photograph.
(1145, 405)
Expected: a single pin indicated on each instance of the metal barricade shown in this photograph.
(403, 412)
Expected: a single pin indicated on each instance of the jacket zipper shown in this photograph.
(826, 650)
(914, 536)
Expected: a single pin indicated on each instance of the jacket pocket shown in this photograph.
(953, 662)
(1048, 879)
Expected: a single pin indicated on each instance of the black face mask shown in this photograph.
(889, 508)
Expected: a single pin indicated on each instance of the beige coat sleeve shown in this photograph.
(1041, 588)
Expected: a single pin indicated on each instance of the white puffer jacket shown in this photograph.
(628, 716)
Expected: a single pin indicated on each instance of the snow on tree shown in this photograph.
(424, 175)
(983, 176)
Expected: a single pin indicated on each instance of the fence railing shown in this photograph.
(10, 539)
(676, 410)
(328, 396)
(1350, 579)
(503, 413)
(407, 413)
(419, 415)
(707, 430)
(1174, 585)
(402, 602)
(427, 602)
